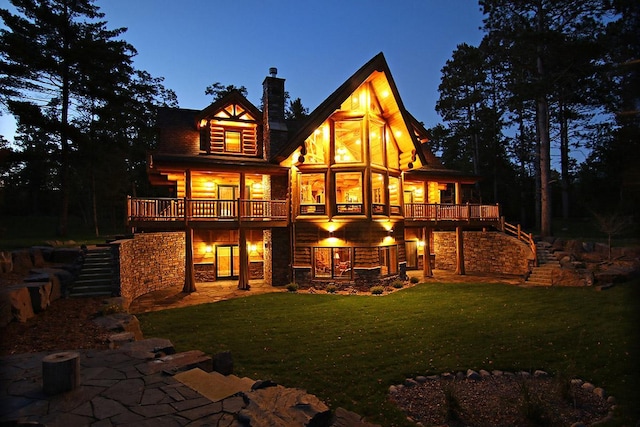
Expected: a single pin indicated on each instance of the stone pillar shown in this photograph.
(267, 256)
(459, 252)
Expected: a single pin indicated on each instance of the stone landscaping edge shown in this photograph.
(473, 375)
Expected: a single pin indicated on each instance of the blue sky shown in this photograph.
(315, 45)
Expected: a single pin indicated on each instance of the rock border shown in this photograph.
(471, 374)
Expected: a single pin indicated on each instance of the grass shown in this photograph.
(348, 350)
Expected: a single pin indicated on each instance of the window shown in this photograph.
(233, 141)
(376, 143)
(312, 196)
(315, 146)
(388, 260)
(378, 198)
(332, 263)
(394, 194)
(349, 192)
(348, 141)
(393, 155)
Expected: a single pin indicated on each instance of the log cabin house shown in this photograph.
(351, 194)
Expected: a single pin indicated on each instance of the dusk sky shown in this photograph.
(315, 45)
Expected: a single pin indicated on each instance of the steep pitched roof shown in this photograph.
(233, 97)
(398, 117)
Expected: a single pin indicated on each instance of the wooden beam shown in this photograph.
(426, 252)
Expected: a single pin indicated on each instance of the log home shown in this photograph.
(351, 194)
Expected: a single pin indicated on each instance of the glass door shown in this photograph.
(227, 261)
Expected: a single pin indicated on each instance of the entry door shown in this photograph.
(227, 261)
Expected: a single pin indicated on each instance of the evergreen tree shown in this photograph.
(55, 54)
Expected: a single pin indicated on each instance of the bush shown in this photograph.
(292, 287)
(414, 280)
(377, 290)
(398, 284)
(331, 289)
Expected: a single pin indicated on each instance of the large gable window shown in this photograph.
(376, 143)
(348, 144)
(315, 146)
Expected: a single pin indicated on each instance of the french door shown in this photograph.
(227, 261)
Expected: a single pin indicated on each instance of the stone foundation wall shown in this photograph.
(484, 252)
(151, 262)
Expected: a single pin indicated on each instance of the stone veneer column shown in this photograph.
(267, 257)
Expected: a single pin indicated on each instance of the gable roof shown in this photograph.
(398, 115)
(233, 97)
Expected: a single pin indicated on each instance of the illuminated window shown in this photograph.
(348, 141)
(376, 143)
(388, 260)
(312, 193)
(315, 146)
(232, 141)
(349, 192)
(378, 194)
(332, 263)
(393, 155)
(394, 195)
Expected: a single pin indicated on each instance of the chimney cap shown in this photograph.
(273, 71)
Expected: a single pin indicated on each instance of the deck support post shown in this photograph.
(189, 269)
(459, 252)
(426, 252)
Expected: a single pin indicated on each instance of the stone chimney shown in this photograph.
(273, 103)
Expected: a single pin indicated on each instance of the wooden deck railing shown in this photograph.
(527, 238)
(167, 209)
(446, 212)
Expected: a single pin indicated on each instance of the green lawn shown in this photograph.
(348, 350)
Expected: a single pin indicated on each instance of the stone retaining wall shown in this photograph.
(151, 262)
(484, 252)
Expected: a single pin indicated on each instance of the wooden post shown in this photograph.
(426, 253)
(189, 270)
(60, 372)
(459, 252)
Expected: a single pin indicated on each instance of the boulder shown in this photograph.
(21, 261)
(574, 246)
(39, 293)
(120, 322)
(36, 257)
(19, 301)
(65, 255)
(283, 407)
(6, 262)
(571, 277)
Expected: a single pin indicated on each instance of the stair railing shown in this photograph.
(527, 238)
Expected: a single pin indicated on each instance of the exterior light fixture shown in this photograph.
(208, 249)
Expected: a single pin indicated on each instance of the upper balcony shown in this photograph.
(435, 212)
(176, 212)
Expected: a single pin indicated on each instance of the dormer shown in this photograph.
(231, 126)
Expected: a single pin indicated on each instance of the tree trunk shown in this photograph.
(564, 160)
(542, 113)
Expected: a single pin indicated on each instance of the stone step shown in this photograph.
(213, 385)
(179, 362)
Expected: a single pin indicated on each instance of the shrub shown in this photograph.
(331, 289)
(377, 290)
(398, 284)
(414, 280)
(292, 287)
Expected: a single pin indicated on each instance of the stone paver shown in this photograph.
(116, 388)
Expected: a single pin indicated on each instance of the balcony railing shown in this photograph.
(166, 209)
(447, 212)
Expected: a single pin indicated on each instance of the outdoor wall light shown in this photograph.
(208, 249)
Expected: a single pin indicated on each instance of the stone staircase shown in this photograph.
(96, 278)
(547, 262)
